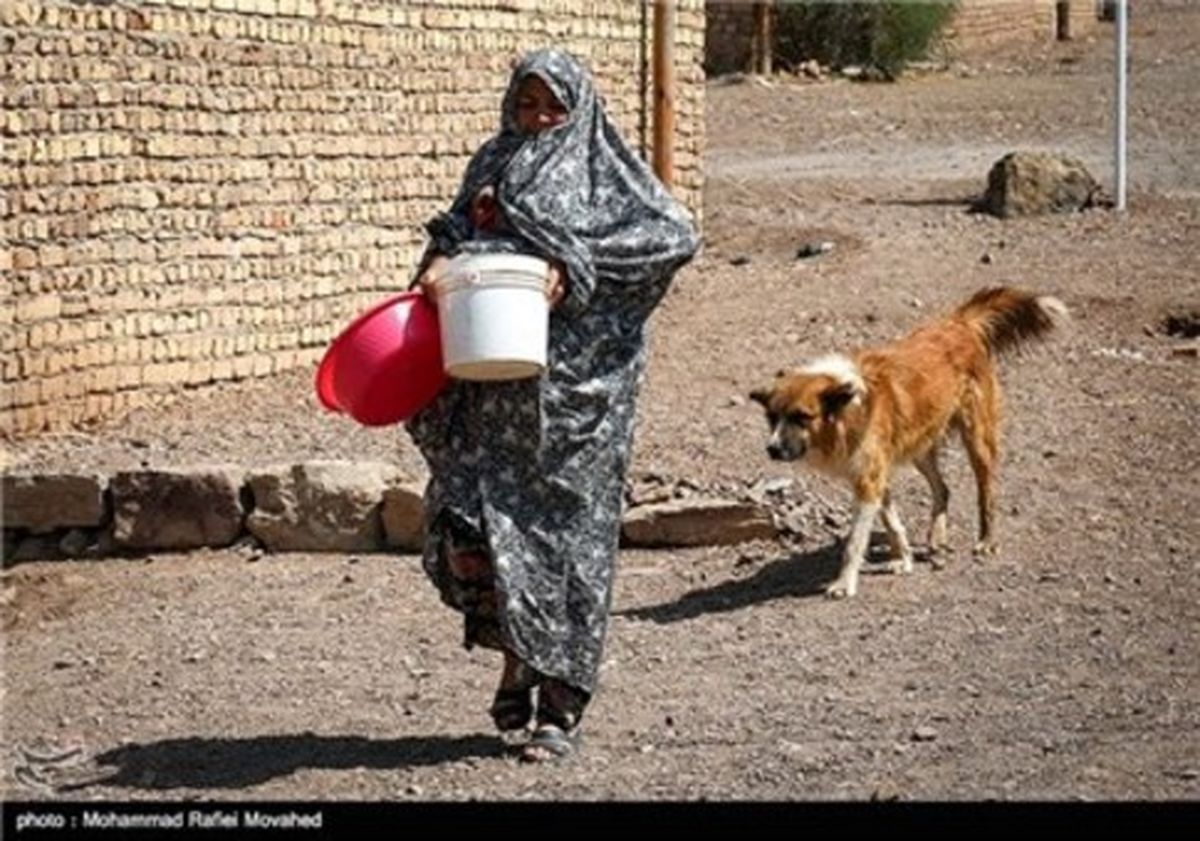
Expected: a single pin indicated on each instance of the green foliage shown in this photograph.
(882, 37)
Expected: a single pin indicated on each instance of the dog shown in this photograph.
(859, 417)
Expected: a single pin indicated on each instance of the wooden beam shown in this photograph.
(664, 91)
(760, 44)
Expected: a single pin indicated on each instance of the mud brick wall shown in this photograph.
(989, 21)
(194, 191)
(981, 22)
(1083, 16)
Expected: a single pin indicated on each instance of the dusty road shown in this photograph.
(1068, 668)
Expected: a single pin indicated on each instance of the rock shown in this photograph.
(177, 509)
(12, 539)
(1186, 351)
(403, 515)
(778, 486)
(696, 522)
(649, 489)
(799, 522)
(886, 792)
(43, 503)
(35, 547)
(75, 543)
(1028, 183)
(320, 506)
(924, 733)
(105, 544)
(814, 249)
(811, 68)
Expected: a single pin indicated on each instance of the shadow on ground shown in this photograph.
(798, 574)
(237, 763)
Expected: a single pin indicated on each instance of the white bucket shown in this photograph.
(494, 316)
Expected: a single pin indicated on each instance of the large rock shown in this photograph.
(696, 522)
(404, 518)
(177, 509)
(44, 503)
(1027, 183)
(320, 506)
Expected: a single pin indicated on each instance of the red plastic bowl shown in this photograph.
(387, 365)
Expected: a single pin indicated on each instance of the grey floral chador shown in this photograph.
(531, 471)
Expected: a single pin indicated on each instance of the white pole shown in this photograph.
(1122, 98)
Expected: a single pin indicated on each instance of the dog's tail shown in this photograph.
(1006, 318)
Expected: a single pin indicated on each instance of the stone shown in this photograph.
(320, 506)
(75, 543)
(44, 503)
(403, 516)
(696, 521)
(35, 547)
(1030, 183)
(177, 509)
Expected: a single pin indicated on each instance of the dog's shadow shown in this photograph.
(207, 763)
(796, 575)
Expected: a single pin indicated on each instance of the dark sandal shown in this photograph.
(561, 705)
(512, 708)
(550, 742)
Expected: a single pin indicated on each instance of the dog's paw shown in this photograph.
(841, 589)
(938, 556)
(985, 549)
(899, 566)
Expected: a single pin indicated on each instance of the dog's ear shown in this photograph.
(837, 397)
(761, 396)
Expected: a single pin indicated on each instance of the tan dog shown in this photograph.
(859, 417)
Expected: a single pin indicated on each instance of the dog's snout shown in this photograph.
(780, 448)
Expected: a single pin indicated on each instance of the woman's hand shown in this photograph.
(556, 283)
(485, 212)
(427, 280)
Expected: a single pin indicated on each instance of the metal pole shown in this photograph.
(1122, 98)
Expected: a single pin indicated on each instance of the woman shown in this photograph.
(524, 501)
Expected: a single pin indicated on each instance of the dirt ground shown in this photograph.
(1068, 668)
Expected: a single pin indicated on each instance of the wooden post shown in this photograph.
(1121, 104)
(760, 45)
(664, 91)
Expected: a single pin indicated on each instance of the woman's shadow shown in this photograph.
(201, 763)
(796, 575)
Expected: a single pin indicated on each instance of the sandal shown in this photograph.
(512, 707)
(550, 742)
(560, 707)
